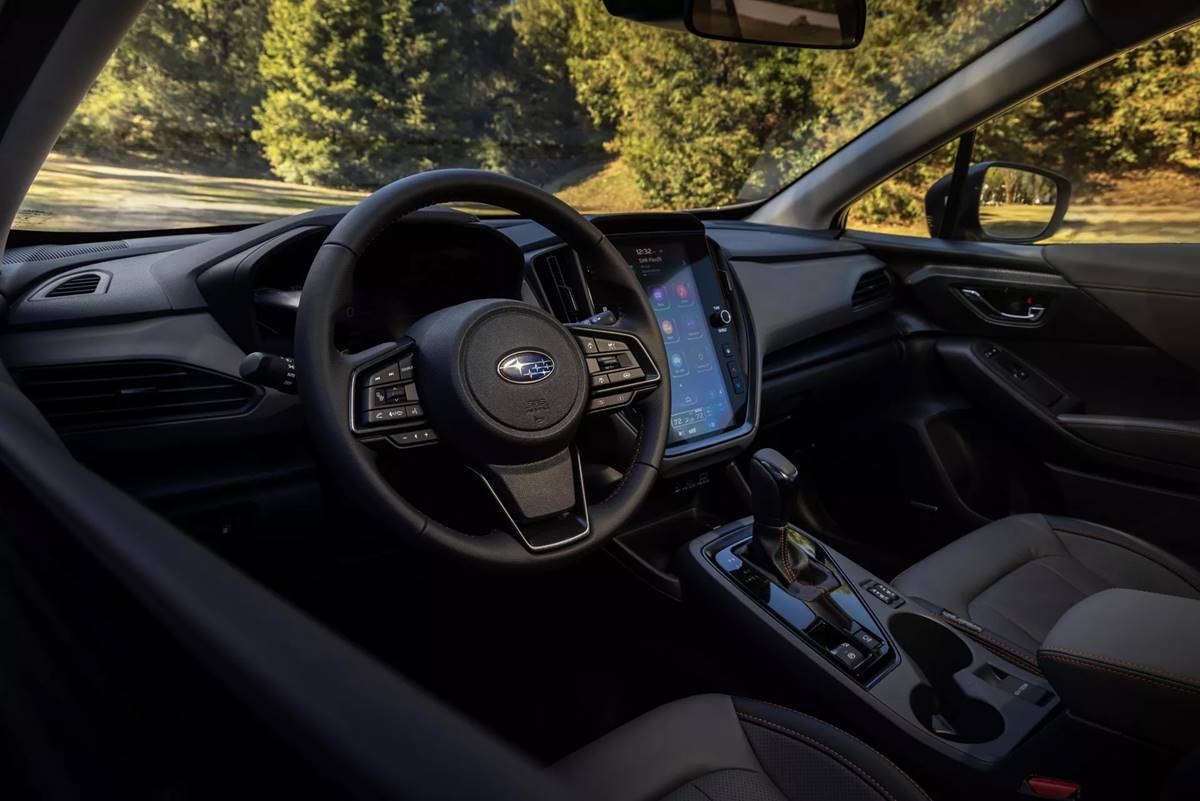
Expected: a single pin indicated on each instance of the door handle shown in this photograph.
(982, 305)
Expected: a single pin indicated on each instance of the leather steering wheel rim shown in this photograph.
(324, 373)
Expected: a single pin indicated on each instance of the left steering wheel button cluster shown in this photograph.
(389, 396)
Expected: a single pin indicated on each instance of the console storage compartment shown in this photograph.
(1130, 660)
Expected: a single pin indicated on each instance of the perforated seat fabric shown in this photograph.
(1017, 576)
(718, 748)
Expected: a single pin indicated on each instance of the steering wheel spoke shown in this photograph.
(618, 364)
(385, 406)
(544, 503)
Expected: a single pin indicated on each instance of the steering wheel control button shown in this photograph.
(610, 345)
(406, 439)
(588, 345)
(626, 376)
(406, 368)
(388, 395)
(607, 402)
(849, 656)
(387, 374)
(601, 381)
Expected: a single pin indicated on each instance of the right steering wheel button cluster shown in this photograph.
(614, 368)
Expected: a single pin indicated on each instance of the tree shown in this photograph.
(182, 87)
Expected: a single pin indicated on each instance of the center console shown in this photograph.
(847, 637)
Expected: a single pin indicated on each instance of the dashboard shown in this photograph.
(731, 298)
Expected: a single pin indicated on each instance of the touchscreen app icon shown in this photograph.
(684, 293)
(669, 332)
(658, 298)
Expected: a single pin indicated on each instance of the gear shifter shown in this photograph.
(774, 482)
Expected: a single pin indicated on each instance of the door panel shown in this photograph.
(1102, 388)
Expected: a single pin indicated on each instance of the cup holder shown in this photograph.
(939, 703)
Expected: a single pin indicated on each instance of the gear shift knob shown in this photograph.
(774, 482)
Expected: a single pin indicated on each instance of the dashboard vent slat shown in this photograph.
(82, 284)
(872, 287)
(563, 286)
(135, 393)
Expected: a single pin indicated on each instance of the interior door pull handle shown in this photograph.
(984, 307)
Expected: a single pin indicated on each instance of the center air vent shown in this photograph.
(134, 393)
(561, 280)
(873, 287)
(92, 282)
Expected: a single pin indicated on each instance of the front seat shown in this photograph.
(718, 748)
(1014, 578)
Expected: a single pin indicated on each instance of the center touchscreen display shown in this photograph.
(700, 404)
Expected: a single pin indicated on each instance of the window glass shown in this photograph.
(1126, 135)
(216, 112)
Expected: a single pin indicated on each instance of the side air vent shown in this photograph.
(561, 281)
(93, 282)
(134, 393)
(873, 287)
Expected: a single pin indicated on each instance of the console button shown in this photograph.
(609, 345)
(884, 593)
(387, 374)
(865, 640)
(849, 656)
(720, 318)
(727, 350)
(588, 345)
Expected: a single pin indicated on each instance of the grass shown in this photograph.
(75, 194)
(78, 194)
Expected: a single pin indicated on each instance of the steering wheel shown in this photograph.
(501, 382)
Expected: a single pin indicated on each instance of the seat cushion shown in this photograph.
(1016, 577)
(718, 748)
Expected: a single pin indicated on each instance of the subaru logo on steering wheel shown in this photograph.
(525, 367)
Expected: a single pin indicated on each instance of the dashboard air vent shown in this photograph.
(561, 280)
(872, 287)
(81, 284)
(92, 282)
(132, 393)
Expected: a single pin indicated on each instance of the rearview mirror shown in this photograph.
(791, 23)
(1003, 202)
(794, 23)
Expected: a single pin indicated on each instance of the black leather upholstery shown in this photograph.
(1130, 660)
(1017, 576)
(717, 748)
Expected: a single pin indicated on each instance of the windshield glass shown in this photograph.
(220, 112)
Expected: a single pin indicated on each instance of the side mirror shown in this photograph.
(818, 24)
(1003, 202)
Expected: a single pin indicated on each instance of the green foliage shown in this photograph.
(183, 84)
(354, 93)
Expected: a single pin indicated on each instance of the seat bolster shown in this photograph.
(958, 573)
(1105, 551)
(875, 771)
(660, 751)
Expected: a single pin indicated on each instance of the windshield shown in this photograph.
(222, 112)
